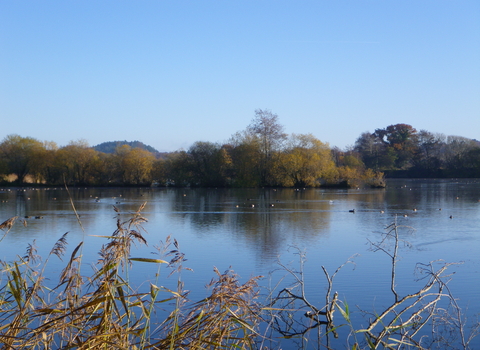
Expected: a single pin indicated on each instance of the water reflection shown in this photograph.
(249, 228)
(259, 222)
(264, 219)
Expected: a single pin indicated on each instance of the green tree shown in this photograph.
(374, 152)
(400, 140)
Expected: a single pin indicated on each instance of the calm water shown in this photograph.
(252, 229)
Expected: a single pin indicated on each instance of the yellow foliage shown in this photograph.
(305, 162)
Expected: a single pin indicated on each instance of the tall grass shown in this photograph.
(104, 311)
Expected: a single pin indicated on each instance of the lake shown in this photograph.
(252, 229)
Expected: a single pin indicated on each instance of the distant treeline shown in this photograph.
(260, 155)
(401, 151)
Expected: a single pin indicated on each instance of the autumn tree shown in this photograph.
(244, 151)
(349, 157)
(102, 169)
(21, 156)
(270, 135)
(134, 165)
(49, 171)
(305, 161)
(78, 163)
(177, 168)
(209, 164)
(159, 174)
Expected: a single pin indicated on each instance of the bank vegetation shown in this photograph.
(261, 155)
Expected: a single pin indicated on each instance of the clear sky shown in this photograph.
(169, 73)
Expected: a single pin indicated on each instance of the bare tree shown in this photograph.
(270, 133)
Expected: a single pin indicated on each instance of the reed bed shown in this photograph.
(104, 311)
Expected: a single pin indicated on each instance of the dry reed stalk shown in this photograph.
(104, 311)
(227, 319)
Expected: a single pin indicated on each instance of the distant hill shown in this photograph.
(110, 146)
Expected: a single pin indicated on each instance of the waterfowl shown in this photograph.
(351, 211)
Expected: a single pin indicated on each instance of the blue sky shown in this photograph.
(170, 73)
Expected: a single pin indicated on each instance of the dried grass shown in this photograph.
(104, 311)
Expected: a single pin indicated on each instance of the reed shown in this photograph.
(104, 311)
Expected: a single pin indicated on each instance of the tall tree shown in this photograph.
(401, 140)
(271, 137)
